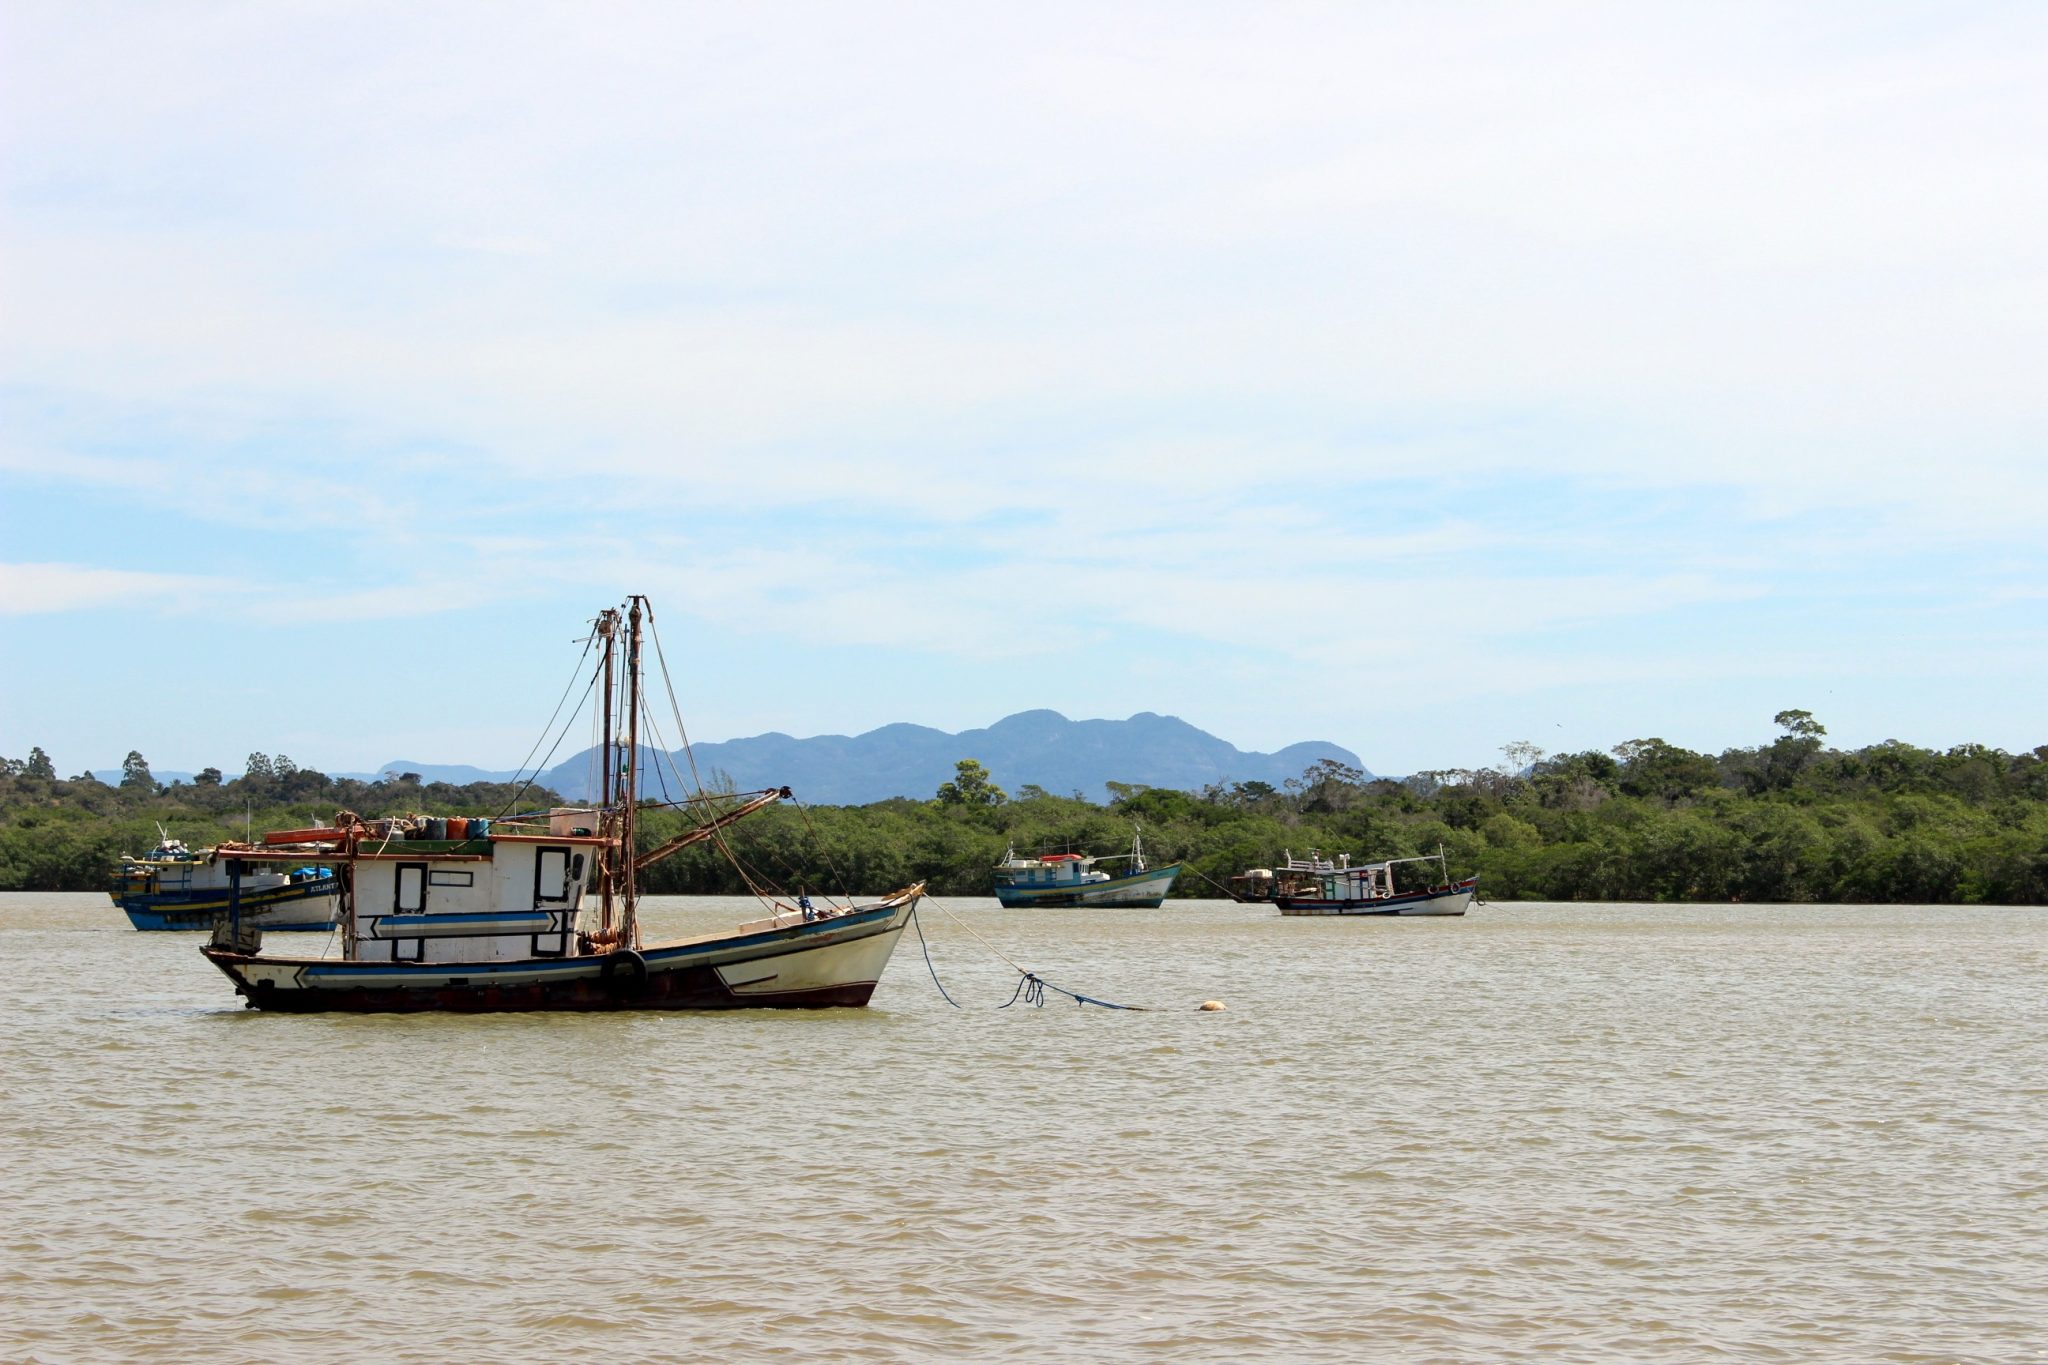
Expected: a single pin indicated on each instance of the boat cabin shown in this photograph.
(501, 895)
(1371, 881)
(173, 870)
(1047, 869)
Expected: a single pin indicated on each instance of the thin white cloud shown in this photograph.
(31, 589)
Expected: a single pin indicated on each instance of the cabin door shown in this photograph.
(555, 875)
(409, 897)
(412, 890)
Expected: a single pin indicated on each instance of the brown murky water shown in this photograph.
(1543, 1132)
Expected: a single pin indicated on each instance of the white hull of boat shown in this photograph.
(1455, 901)
(1142, 890)
(784, 962)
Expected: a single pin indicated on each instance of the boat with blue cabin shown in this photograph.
(1053, 879)
(1371, 889)
(175, 887)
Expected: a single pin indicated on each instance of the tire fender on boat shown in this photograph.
(624, 967)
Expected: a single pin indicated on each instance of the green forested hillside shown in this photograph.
(1788, 820)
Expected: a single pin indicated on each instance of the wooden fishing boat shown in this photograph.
(1072, 879)
(1294, 877)
(541, 913)
(1371, 889)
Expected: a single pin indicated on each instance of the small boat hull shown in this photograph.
(1454, 899)
(303, 905)
(1145, 890)
(785, 963)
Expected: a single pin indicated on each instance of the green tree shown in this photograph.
(1329, 785)
(39, 765)
(206, 777)
(1800, 725)
(1794, 753)
(971, 788)
(135, 775)
(1651, 767)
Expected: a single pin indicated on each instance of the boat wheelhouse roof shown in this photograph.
(405, 850)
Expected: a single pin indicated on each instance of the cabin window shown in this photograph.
(551, 876)
(451, 879)
(412, 889)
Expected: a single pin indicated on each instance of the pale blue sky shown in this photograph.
(1419, 378)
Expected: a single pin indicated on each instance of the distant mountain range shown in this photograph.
(1041, 748)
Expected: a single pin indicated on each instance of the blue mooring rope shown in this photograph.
(928, 959)
(1031, 987)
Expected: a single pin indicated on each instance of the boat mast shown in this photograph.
(345, 887)
(608, 631)
(629, 799)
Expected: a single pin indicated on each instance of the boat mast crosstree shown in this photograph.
(504, 918)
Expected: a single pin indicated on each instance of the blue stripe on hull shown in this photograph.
(199, 924)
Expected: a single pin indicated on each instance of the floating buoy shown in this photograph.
(1211, 1006)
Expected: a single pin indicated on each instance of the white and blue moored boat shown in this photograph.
(175, 887)
(542, 914)
(1072, 879)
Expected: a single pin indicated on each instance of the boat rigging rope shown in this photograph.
(661, 755)
(514, 799)
(718, 839)
(755, 885)
(668, 682)
(818, 842)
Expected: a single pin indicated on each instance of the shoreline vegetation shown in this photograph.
(1791, 820)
